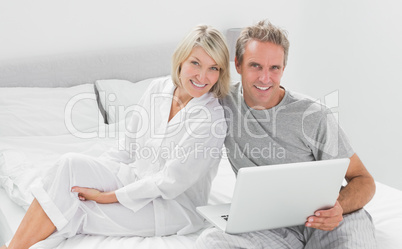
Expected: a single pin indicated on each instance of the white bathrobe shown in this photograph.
(160, 173)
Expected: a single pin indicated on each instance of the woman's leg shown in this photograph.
(36, 224)
(34, 227)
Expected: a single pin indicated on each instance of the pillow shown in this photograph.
(115, 96)
(32, 111)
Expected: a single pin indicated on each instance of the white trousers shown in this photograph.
(72, 216)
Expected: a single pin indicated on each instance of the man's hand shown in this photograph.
(326, 220)
(94, 195)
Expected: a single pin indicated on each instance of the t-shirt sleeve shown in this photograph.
(327, 140)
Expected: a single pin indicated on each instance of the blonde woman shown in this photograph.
(130, 191)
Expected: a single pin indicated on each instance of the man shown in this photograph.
(269, 124)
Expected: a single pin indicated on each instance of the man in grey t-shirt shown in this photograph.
(268, 124)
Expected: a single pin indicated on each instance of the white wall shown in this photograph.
(30, 28)
(351, 47)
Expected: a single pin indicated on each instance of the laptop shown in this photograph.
(274, 196)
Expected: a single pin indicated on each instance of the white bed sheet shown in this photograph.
(40, 152)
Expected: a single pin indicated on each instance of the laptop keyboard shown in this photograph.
(225, 217)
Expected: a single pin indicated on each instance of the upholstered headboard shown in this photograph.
(131, 64)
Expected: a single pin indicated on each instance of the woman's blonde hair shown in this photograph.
(214, 44)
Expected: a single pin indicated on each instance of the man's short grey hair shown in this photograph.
(263, 31)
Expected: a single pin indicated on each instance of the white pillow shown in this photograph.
(116, 96)
(32, 111)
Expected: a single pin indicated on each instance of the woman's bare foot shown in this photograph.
(3, 247)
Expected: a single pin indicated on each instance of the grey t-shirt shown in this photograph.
(298, 129)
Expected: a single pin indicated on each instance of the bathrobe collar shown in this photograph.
(194, 106)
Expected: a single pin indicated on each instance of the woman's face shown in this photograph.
(199, 73)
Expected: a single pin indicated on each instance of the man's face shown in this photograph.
(261, 71)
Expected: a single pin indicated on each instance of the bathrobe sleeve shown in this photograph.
(178, 174)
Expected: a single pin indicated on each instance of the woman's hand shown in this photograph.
(95, 195)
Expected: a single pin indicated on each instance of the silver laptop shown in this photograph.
(274, 196)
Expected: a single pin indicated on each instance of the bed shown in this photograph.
(50, 106)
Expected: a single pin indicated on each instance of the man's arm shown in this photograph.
(354, 196)
(360, 189)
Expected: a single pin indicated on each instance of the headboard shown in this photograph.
(131, 64)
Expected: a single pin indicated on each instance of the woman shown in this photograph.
(163, 170)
